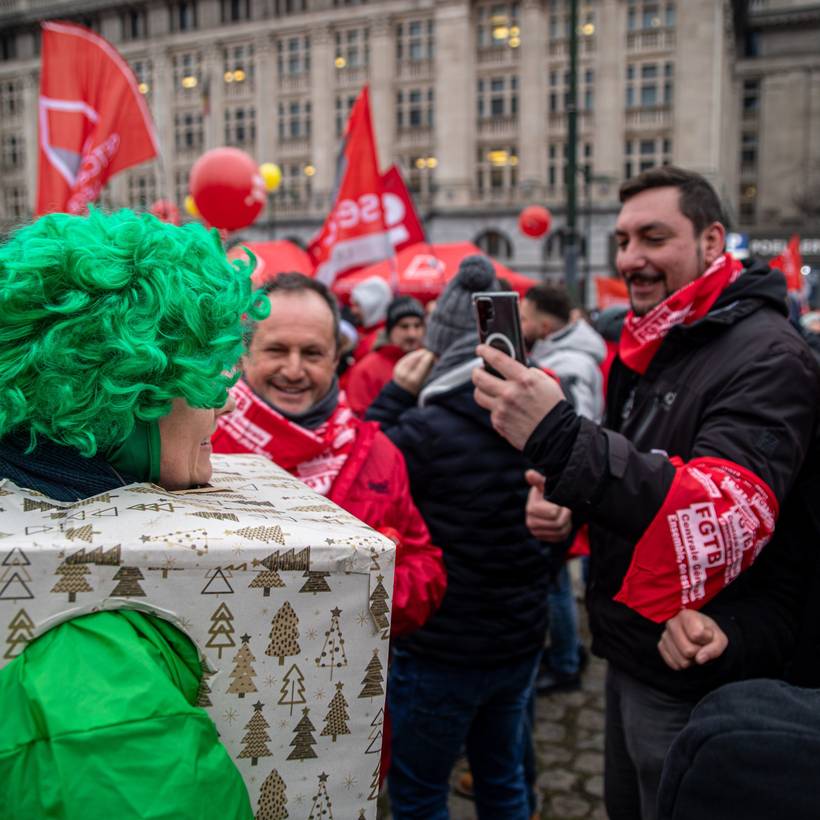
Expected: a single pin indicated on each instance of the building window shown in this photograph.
(142, 191)
(293, 56)
(236, 11)
(240, 126)
(11, 98)
(187, 68)
(181, 178)
(558, 94)
(556, 163)
(12, 152)
(419, 174)
(353, 48)
(15, 202)
(415, 108)
(497, 97)
(344, 105)
(646, 152)
(414, 41)
(751, 98)
(748, 151)
(748, 203)
(496, 169)
(134, 24)
(296, 188)
(498, 25)
(189, 133)
(646, 15)
(143, 72)
(284, 7)
(294, 120)
(559, 22)
(495, 243)
(8, 45)
(183, 16)
(238, 69)
(646, 88)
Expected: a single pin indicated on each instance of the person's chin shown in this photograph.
(642, 300)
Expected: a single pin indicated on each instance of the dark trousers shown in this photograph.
(438, 709)
(641, 723)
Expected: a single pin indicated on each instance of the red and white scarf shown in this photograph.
(314, 456)
(642, 335)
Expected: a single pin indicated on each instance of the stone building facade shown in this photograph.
(468, 98)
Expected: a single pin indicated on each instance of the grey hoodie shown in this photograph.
(574, 354)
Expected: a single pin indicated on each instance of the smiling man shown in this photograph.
(290, 409)
(711, 411)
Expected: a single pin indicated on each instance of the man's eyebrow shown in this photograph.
(649, 226)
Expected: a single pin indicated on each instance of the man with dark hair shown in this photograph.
(711, 413)
(403, 333)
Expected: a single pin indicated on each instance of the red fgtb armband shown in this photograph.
(714, 522)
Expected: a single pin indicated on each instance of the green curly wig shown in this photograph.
(105, 319)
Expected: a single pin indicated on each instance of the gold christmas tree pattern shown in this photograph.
(337, 716)
(378, 604)
(72, 580)
(218, 583)
(128, 586)
(333, 651)
(303, 740)
(21, 631)
(315, 582)
(273, 799)
(292, 692)
(322, 807)
(268, 578)
(15, 578)
(375, 736)
(372, 681)
(266, 534)
(284, 634)
(256, 738)
(243, 673)
(221, 630)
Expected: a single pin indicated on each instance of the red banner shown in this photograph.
(93, 120)
(399, 212)
(355, 232)
(611, 292)
(790, 262)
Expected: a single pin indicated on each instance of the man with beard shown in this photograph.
(711, 412)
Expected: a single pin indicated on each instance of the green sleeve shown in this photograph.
(98, 721)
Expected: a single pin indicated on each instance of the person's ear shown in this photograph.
(713, 241)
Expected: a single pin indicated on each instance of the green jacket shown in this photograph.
(97, 722)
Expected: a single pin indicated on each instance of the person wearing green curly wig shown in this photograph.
(118, 337)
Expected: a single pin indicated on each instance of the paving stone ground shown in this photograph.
(569, 745)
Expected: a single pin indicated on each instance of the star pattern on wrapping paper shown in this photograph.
(362, 617)
(311, 634)
(269, 681)
(300, 798)
(320, 694)
(350, 782)
(230, 715)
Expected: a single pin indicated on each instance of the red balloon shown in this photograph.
(227, 188)
(534, 220)
(165, 210)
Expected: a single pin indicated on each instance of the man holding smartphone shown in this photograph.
(712, 408)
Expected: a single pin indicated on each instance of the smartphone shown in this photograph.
(499, 325)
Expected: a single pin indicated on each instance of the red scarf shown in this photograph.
(314, 456)
(642, 335)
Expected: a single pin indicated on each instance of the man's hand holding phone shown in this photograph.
(519, 399)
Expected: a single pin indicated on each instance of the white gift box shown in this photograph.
(286, 596)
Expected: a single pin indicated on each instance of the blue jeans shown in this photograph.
(438, 709)
(564, 641)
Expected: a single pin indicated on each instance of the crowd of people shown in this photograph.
(677, 454)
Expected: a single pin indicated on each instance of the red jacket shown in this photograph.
(369, 375)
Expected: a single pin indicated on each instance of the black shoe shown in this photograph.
(548, 683)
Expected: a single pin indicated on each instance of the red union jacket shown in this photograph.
(372, 484)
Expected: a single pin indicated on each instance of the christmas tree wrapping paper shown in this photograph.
(286, 595)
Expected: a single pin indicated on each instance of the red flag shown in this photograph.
(355, 232)
(611, 292)
(399, 213)
(93, 120)
(790, 262)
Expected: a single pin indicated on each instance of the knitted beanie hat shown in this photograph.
(453, 316)
(402, 307)
(373, 295)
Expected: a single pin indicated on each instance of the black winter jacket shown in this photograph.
(740, 385)
(469, 486)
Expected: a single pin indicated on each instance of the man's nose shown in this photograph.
(293, 365)
(629, 258)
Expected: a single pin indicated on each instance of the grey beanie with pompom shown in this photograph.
(453, 316)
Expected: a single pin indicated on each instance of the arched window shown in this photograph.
(555, 245)
(495, 244)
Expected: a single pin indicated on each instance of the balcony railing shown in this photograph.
(414, 69)
(654, 39)
(417, 137)
(294, 82)
(351, 77)
(498, 126)
(657, 116)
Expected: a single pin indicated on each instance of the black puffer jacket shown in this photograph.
(738, 385)
(468, 484)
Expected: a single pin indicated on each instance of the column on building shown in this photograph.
(533, 97)
(610, 68)
(323, 139)
(265, 99)
(212, 71)
(455, 102)
(382, 86)
(162, 111)
(31, 95)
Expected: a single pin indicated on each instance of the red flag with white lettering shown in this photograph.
(399, 212)
(355, 232)
(93, 120)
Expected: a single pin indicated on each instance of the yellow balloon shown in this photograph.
(271, 173)
(190, 206)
